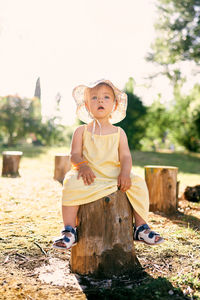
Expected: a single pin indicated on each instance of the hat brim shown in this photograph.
(82, 113)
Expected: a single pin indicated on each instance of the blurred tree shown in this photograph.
(157, 125)
(134, 124)
(37, 93)
(186, 119)
(49, 133)
(18, 117)
(129, 86)
(178, 30)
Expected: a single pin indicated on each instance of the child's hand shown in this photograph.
(86, 173)
(124, 182)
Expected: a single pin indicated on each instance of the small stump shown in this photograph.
(62, 166)
(162, 185)
(105, 238)
(11, 160)
(192, 193)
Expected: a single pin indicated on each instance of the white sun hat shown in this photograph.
(117, 115)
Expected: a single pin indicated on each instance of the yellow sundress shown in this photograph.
(102, 154)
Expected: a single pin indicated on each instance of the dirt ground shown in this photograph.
(30, 269)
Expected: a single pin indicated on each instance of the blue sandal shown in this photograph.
(144, 234)
(66, 241)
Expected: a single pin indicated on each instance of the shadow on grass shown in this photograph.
(186, 163)
(189, 220)
(138, 286)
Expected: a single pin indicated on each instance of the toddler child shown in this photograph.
(102, 162)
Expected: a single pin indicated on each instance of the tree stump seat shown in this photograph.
(105, 237)
(11, 161)
(162, 185)
(62, 166)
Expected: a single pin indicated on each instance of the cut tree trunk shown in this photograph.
(62, 166)
(162, 185)
(11, 160)
(192, 193)
(105, 237)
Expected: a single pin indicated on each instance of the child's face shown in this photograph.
(100, 101)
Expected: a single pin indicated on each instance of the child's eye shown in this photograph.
(94, 98)
(107, 97)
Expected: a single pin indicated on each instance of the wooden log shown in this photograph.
(11, 160)
(162, 185)
(105, 238)
(62, 166)
(192, 193)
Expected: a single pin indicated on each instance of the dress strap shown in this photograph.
(85, 130)
(118, 135)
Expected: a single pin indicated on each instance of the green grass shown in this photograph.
(186, 162)
(30, 215)
(35, 151)
(188, 165)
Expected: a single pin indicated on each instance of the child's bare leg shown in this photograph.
(69, 214)
(139, 221)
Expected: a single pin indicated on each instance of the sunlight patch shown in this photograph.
(57, 273)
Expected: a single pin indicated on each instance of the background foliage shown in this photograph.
(153, 127)
(20, 118)
(177, 41)
(135, 122)
(178, 29)
(186, 119)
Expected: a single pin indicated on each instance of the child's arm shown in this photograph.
(124, 180)
(84, 170)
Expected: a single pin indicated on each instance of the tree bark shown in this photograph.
(62, 166)
(105, 238)
(11, 160)
(162, 185)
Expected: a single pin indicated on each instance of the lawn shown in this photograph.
(30, 217)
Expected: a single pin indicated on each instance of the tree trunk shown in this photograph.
(62, 166)
(105, 237)
(10, 138)
(11, 160)
(162, 185)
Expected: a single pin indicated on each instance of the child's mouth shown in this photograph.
(100, 107)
